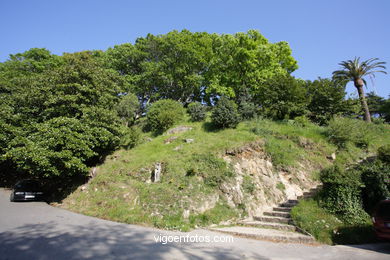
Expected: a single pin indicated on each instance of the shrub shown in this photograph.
(197, 111)
(302, 121)
(341, 194)
(225, 114)
(247, 110)
(384, 153)
(163, 114)
(344, 130)
(131, 138)
(376, 179)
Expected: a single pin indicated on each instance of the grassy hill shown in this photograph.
(194, 172)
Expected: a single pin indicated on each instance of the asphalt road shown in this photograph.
(35, 230)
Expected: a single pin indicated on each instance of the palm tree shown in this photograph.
(354, 70)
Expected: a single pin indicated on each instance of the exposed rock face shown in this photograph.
(268, 186)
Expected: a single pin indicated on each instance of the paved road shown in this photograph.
(35, 230)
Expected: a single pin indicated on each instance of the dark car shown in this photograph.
(27, 190)
(381, 219)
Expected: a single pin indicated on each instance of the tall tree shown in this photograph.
(374, 103)
(326, 99)
(354, 70)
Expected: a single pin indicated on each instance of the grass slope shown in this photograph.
(192, 172)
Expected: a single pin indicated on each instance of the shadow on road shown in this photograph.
(383, 248)
(48, 241)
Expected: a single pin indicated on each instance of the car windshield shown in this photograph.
(27, 185)
(383, 210)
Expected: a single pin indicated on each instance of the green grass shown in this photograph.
(327, 228)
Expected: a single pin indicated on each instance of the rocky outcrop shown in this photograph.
(258, 186)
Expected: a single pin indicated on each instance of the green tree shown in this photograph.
(169, 66)
(326, 99)
(385, 110)
(245, 61)
(374, 103)
(354, 70)
(283, 97)
(59, 120)
(128, 108)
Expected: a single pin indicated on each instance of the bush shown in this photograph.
(225, 114)
(384, 153)
(341, 194)
(376, 179)
(302, 121)
(131, 138)
(247, 110)
(197, 111)
(163, 114)
(346, 130)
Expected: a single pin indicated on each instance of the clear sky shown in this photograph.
(320, 33)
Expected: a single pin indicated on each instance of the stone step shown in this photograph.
(277, 214)
(266, 234)
(282, 209)
(273, 219)
(292, 201)
(261, 224)
(287, 204)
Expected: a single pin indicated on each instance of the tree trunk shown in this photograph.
(359, 85)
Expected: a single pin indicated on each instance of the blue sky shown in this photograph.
(320, 33)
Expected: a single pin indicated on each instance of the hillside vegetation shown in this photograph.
(194, 173)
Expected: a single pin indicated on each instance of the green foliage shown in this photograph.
(212, 169)
(326, 100)
(283, 152)
(163, 114)
(280, 186)
(58, 115)
(327, 228)
(376, 179)
(225, 114)
(341, 194)
(131, 138)
(302, 121)
(342, 131)
(309, 216)
(128, 108)
(374, 103)
(187, 67)
(248, 185)
(283, 97)
(384, 153)
(60, 146)
(245, 60)
(197, 111)
(385, 110)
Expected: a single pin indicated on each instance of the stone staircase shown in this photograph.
(275, 225)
